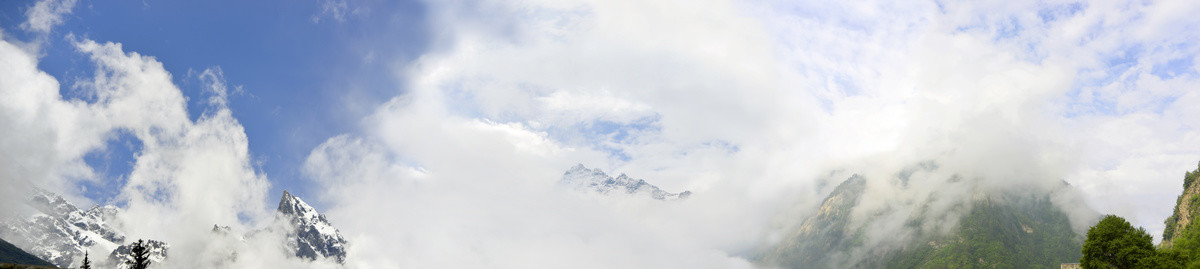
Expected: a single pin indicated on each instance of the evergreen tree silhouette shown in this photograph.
(139, 255)
(86, 264)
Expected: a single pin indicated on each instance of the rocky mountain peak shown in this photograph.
(581, 178)
(312, 236)
(292, 205)
(52, 204)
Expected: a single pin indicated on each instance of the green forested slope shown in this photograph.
(1020, 233)
(998, 231)
(11, 254)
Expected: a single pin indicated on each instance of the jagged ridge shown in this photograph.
(584, 179)
(60, 232)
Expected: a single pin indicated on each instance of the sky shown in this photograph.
(439, 128)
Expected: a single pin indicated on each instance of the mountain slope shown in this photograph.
(1187, 208)
(14, 255)
(823, 233)
(583, 179)
(1024, 232)
(1003, 230)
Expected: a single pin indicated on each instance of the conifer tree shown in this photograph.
(86, 264)
(139, 255)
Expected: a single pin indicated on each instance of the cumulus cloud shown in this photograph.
(44, 136)
(45, 14)
(188, 176)
(751, 105)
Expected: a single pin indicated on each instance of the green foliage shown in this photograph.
(1114, 243)
(1190, 177)
(1164, 259)
(1188, 246)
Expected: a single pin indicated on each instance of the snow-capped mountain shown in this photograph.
(59, 232)
(312, 236)
(584, 179)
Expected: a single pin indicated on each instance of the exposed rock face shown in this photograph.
(60, 232)
(1187, 207)
(312, 236)
(584, 179)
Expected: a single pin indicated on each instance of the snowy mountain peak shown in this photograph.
(312, 237)
(59, 232)
(52, 204)
(292, 205)
(577, 167)
(581, 178)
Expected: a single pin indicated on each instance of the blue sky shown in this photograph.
(457, 118)
(301, 80)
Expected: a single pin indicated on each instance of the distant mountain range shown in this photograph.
(60, 232)
(581, 178)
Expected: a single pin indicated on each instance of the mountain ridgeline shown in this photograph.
(1007, 229)
(583, 179)
(60, 233)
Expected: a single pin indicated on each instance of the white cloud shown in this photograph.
(46, 14)
(749, 105)
(44, 136)
(752, 103)
(214, 81)
(188, 176)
